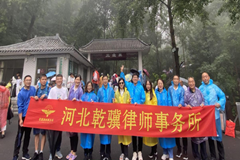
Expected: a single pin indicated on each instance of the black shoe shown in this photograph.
(102, 157)
(40, 156)
(3, 136)
(185, 156)
(85, 157)
(108, 158)
(212, 158)
(179, 154)
(26, 157)
(150, 155)
(90, 157)
(35, 156)
(15, 158)
(155, 157)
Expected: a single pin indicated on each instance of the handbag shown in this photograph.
(230, 128)
(10, 113)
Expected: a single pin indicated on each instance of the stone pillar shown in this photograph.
(89, 57)
(29, 68)
(140, 61)
(88, 74)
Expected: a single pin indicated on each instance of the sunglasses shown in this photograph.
(121, 82)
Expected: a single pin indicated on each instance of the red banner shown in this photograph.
(121, 119)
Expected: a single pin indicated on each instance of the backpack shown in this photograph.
(40, 87)
(95, 78)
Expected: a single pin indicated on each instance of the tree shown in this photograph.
(176, 9)
(233, 8)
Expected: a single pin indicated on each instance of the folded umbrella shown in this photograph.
(50, 74)
(146, 72)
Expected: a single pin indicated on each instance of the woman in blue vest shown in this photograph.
(166, 143)
(87, 140)
(105, 95)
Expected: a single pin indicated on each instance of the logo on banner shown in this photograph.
(48, 110)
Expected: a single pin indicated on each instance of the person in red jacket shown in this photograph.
(95, 80)
(4, 103)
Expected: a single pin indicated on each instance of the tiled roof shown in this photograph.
(115, 45)
(43, 45)
(39, 44)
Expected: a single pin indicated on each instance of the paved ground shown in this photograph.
(232, 147)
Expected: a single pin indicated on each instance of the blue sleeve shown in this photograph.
(169, 98)
(143, 97)
(182, 97)
(36, 93)
(113, 95)
(95, 98)
(20, 103)
(98, 95)
(122, 75)
(221, 98)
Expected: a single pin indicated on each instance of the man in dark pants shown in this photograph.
(176, 98)
(23, 102)
(59, 93)
(213, 95)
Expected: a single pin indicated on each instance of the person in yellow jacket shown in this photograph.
(122, 96)
(151, 99)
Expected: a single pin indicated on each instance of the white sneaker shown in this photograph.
(59, 155)
(126, 158)
(140, 155)
(50, 157)
(121, 157)
(134, 156)
(170, 158)
(165, 156)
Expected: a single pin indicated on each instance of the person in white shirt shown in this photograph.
(70, 81)
(184, 87)
(18, 85)
(61, 93)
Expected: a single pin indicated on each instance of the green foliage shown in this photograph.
(233, 8)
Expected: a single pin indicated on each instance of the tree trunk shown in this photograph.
(30, 28)
(176, 57)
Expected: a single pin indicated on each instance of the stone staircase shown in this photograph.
(14, 105)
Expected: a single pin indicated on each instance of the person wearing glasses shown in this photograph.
(122, 96)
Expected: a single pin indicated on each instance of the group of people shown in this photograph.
(129, 93)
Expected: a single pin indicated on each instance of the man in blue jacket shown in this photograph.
(176, 98)
(137, 95)
(23, 100)
(213, 95)
(105, 95)
(41, 93)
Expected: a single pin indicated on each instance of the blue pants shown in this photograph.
(168, 151)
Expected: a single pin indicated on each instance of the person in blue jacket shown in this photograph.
(213, 95)
(41, 94)
(23, 100)
(87, 140)
(137, 94)
(105, 95)
(166, 143)
(176, 98)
